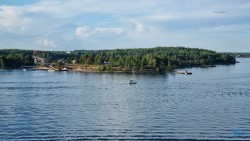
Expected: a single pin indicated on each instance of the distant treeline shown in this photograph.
(14, 58)
(240, 55)
(158, 59)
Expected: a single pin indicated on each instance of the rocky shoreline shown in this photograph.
(106, 69)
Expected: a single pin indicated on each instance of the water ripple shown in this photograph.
(78, 106)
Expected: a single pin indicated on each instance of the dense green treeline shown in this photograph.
(14, 58)
(159, 59)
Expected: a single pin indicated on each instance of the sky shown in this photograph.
(219, 25)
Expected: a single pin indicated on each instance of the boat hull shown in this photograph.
(183, 72)
(132, 82)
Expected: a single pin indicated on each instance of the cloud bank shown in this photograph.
(100, 24)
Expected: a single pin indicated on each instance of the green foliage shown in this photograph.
(15, 58)
(159, 59)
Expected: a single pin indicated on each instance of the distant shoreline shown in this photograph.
(96, 69)
(144, 60)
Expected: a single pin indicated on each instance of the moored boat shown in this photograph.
(65, 69)
(51, 70)
(183, 72)
(132, 81)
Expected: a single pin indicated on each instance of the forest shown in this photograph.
(158, 59)
(14, 58)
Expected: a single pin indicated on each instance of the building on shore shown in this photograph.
(38, 60)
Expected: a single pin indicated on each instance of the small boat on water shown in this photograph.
(183, 72)
(132, 81)
(51, 70)
(28, 68)
(2, 64)
(65, 69)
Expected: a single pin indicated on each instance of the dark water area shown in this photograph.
(212, 103)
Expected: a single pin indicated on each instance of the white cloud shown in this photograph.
(9, 16)
(46, 43)
(139, 28)
(57, 13)
(136, 21)
(50, 7)
(226, 28)
(21, 21)
(82, 31)
(114, 31)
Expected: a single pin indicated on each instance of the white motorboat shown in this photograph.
(51, 70)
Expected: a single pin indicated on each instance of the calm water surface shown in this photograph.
(213, 103)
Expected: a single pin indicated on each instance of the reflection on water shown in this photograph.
(210, 104)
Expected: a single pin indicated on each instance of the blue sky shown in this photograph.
(220, 25)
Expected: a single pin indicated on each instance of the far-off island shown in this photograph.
(142, 60)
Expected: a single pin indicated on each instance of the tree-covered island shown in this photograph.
(158, 59)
